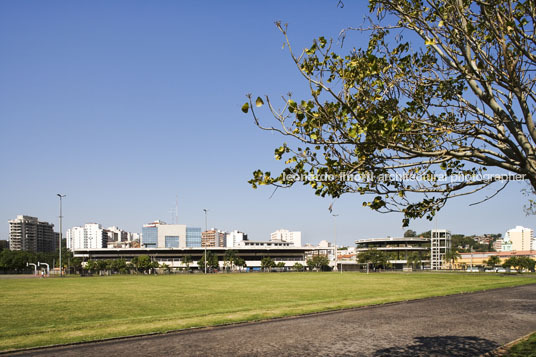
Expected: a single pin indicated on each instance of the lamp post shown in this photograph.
(61, 228)
(335, 238)
(206, 229)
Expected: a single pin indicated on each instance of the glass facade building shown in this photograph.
(193, 237)
(150, 237)
(172, 241)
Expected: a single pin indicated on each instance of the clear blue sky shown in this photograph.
(122, 105)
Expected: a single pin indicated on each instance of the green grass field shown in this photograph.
(38, 312)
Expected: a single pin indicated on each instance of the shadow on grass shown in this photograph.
(441, 346)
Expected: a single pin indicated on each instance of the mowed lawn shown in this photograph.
(39, 312)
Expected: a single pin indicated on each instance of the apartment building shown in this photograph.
(88, 236)
(213, 238)
(518, 239)
(286, 236)
(29, 234)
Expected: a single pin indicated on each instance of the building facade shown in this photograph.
(235, 238)
(213, 238)
(29, 234)
(398, 250)
(159, 234)
(114, 234)
(88, 236)
(171, 236)
(519, 239)
(286, 236)
(149, 234)
(193, 237)
(478, 260)
(174, 258)
(497, 245)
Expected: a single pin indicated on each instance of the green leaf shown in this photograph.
(245, 107)
(259, 102)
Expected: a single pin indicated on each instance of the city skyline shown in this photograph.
(124, 106)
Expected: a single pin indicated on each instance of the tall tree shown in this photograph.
(212, 261)
(229, 259)
(451, 256)
(298, 266)
(493, 261)
(240, 263)
(410, 233)
(414, 124)
(187, 260)
(91, 266)
(414, 259)
(280, 265)
(376, 258)
(142, 263)
(520, 263)
(319, 262)
(267, 263)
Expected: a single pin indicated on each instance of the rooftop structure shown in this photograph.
(274, 243)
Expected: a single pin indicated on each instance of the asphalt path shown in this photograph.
(457, 325)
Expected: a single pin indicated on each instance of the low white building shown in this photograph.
(286, 236)
(323, 248)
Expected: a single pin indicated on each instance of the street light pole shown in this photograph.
(206, 229)
(61, 228)
(335, 238)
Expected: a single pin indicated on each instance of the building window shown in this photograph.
(150, 236)
(193, 237)
(172, 241)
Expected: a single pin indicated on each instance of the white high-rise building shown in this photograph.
(90, 236)
(134, 236)
(520, 238)
(116, 234)
(234, 238)
(286, 236)
(30, 234)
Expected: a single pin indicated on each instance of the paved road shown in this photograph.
(459, 325)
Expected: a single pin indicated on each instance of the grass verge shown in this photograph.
(525, 348)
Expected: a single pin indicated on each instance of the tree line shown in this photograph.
(377, 259)
(16, 260)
